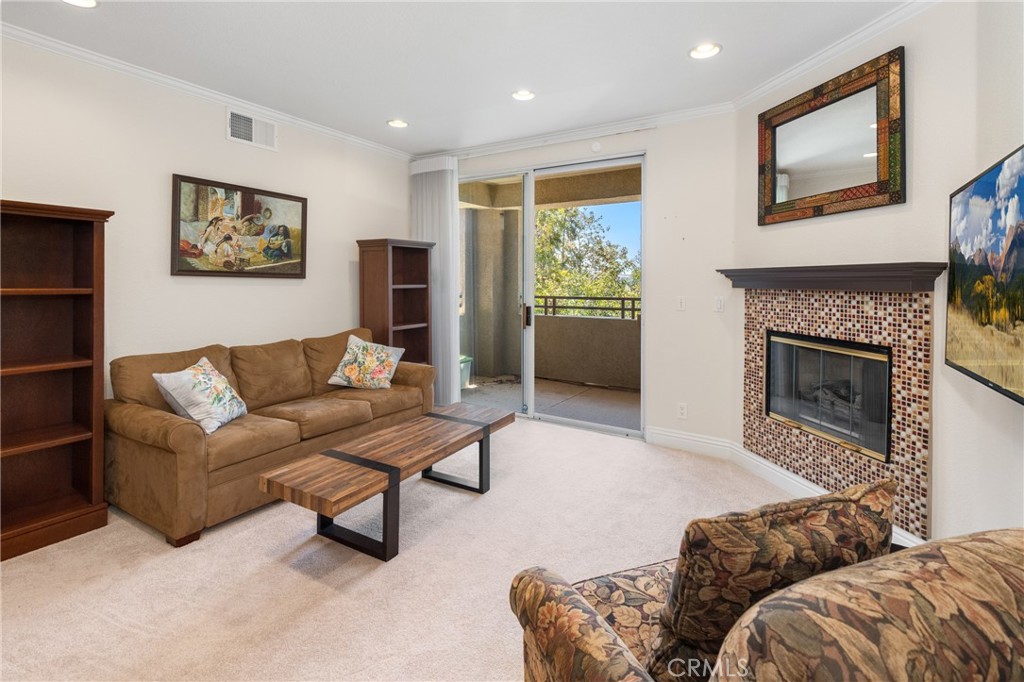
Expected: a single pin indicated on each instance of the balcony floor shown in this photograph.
(611, 407)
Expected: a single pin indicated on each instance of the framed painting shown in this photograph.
(231, 231)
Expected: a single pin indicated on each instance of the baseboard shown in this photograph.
(721, 448)
(691, 442)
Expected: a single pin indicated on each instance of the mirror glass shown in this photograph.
(830, 148)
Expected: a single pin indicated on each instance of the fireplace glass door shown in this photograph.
(836, 390)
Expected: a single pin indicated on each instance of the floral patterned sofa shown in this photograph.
(794, 591)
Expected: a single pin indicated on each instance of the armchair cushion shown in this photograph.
(729, 562)
(948, 609)
(631, 601)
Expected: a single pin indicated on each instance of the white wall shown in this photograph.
(80, 135)
(964, 108)
(964, 69)
(689, 181)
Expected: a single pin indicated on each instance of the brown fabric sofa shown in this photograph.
(165, 471)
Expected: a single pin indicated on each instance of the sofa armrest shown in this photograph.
(564, 638)
(157, 469)
(415, 374)
(154, 427)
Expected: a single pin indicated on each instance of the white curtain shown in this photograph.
(434, 187)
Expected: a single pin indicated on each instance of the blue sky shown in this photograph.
(623, 221)
(981, 213)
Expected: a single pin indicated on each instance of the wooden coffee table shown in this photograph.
(340, 478)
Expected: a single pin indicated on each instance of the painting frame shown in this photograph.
(222, 229)
(985, 285)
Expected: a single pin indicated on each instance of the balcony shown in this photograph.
(587, 363)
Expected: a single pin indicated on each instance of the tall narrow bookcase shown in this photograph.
(394, 294)
(51, 374)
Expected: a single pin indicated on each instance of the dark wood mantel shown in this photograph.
(859, 277)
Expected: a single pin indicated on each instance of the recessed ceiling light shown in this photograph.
(88, 4)
(705, 50)
(398, 123)
(523, 95)
(870, 155)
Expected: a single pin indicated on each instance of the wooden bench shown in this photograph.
(340, 478)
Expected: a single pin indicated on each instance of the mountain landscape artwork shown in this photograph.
(985, 309)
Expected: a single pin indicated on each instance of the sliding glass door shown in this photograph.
(491, 277)
(550, 307)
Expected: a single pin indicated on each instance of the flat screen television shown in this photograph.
(985, 304)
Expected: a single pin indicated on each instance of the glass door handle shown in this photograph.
(527, 316)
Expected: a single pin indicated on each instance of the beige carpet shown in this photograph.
(262, 598)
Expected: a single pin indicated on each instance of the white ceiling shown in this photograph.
(449, 68)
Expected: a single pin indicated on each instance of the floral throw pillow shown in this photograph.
(366, 365)
(201, 393)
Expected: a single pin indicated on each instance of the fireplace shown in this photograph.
(836, 390)
(858, 311)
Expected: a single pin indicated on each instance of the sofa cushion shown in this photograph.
(366, 365)
(201, 393)
(325, 352)
(248, 437)
(319, 415)
(729, 562)
(271, 373)
(631, 602)
(383, 400)
(131, 377)
(948, 609)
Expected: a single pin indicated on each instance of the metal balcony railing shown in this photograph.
(625, 308)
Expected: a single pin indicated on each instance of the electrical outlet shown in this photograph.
(719, 304)
(681, 411)
(681, 304)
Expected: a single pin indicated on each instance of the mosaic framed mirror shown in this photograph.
(838, 147)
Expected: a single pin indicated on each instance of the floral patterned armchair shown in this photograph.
(754, 596)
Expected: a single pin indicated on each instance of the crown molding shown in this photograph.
(40, 41)
(902, 13)
(631, 125)
(909, 9)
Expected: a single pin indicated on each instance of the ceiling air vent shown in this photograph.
(251, 130)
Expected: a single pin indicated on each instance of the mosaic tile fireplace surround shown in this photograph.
(898, 318)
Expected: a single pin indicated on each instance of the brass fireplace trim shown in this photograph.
(838, 347)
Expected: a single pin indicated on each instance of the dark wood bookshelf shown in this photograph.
(394, 294)
(43, 438)
(44, 365)
(51, 374)
(46, 291)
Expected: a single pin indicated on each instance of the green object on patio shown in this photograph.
(465, 362)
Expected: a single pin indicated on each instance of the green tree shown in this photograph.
(575, 258)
